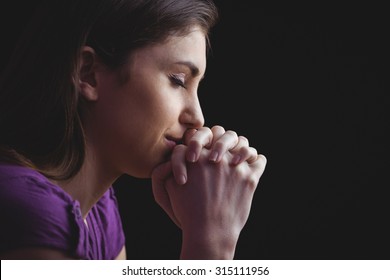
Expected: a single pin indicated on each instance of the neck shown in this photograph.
(90, 183)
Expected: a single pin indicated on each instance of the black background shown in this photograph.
(308, 86)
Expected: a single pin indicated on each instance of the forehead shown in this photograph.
(190, 47)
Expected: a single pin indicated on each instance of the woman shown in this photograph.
(97, 89)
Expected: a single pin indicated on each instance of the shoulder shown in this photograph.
(34, 212)
(23, 190)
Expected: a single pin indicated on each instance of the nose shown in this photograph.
(192, 116)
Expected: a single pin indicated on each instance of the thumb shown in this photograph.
(159, 176)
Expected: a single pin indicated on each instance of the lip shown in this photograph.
(172, 142)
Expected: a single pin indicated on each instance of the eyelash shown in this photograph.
(177, 81)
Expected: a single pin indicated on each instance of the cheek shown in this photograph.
(127, 133)
(154, 100)
(132, 121)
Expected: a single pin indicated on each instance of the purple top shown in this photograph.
(36, 213)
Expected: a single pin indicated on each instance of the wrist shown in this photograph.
(208, 246)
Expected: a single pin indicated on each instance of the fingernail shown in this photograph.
(182, 180)
(192, 157)
(214, 156)
(236, 159)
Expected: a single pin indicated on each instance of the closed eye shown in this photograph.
(177, 80)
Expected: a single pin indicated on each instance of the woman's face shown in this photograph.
(136, 121)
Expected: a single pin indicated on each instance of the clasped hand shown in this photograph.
(207, 189)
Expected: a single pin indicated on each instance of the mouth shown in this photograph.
(173, 142)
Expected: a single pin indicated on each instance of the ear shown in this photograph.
(87, 75)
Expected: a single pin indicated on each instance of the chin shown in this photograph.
(143, 173)
(144, 169)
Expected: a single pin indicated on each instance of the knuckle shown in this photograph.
(252, 181)
(262, 159)
(188, 135)
(217, 128)
(249, 178)
(232, 133)
(243, 139)
(253, 151)
(205, 129)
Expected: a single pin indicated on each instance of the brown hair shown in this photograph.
(40, 123)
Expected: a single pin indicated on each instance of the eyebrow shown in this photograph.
(194, 69)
